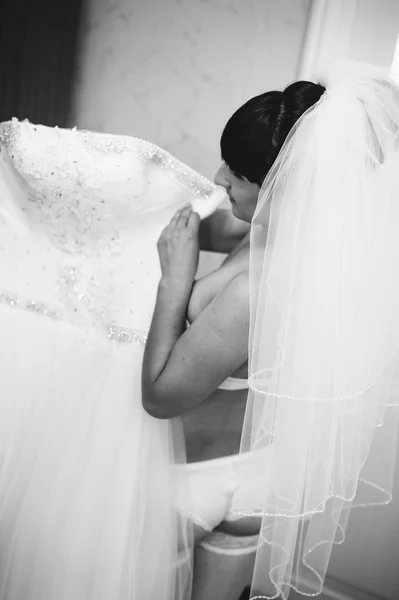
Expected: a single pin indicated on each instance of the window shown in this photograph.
(395, 62)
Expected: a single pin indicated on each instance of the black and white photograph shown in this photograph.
(199, 299)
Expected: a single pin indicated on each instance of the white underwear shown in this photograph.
(234, 383)
(204, 491)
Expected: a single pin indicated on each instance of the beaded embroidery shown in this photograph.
(37, 307)
(193, 183)
(124, 335)
(114, 332)
(82, 221)
(78, 219)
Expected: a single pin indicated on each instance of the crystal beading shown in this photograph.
(117, 333)
(32, 305)
(124, 335)
(186, 177)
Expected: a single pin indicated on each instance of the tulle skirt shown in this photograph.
(85, 511)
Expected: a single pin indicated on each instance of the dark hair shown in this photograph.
(256, 132)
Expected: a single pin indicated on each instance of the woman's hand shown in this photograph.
(178, 249)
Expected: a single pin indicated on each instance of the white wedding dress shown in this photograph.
(85, 510)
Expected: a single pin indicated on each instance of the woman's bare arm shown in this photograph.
(221, 231)
(182, 367)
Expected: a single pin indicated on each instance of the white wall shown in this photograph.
(173, 71)
(375, 31)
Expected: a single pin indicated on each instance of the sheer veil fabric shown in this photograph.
(85, 511)
(324, 338)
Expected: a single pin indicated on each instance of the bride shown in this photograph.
(314, 169)
(96, 500)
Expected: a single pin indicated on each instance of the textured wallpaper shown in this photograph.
(173, 71)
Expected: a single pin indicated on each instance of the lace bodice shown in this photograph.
(80, 214)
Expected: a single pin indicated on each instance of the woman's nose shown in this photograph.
(221, 177)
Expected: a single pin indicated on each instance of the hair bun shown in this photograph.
(256, 132)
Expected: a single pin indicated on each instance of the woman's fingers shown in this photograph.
(193, 221)
(185, 215)
(183, 218)
(175, 219)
